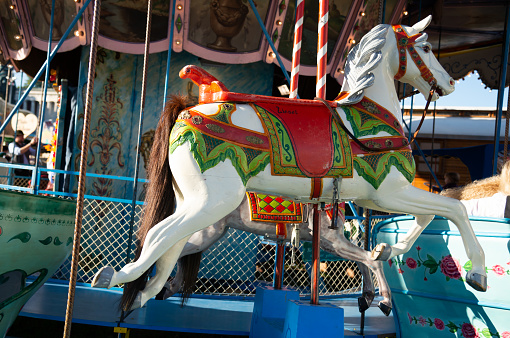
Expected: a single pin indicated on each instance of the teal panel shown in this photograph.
(430, 295)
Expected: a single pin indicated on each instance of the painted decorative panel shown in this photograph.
(116, 108)
(226, 25)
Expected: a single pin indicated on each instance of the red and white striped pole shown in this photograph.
(320, 91)
(296, 51)
(322, 48)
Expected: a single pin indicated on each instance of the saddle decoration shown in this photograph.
(286, 145)
(212, 141)
(267, 208)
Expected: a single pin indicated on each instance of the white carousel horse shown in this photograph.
(332, 241)
(488, 197)
(220, 150)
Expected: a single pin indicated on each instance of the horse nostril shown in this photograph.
(452, 82)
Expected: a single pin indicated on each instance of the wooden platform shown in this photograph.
(205, 315)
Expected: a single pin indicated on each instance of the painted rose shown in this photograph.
(390, 262)
(450, 267)
(469, 331)
(411, 263)
(410, 318)
(505, 334)
(499, 270)
(438, 323)
(422, 321)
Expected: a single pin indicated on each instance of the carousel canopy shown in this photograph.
(467, 34)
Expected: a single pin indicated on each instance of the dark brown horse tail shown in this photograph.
(159, 200)
(190, 265)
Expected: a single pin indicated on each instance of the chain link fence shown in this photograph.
(233, 266)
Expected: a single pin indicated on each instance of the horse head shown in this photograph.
(425, 72)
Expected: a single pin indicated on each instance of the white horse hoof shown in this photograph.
(477, 281)
(103, 277)
(381, 252)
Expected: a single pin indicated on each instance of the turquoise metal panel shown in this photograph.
(430, 295)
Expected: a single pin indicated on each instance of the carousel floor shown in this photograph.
(212, 315)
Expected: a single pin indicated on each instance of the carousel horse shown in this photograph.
(489, 197)
(306, 150)
(332, 241)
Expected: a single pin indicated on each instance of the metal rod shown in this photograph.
(140, 125)
(501, 91)
(169, 56)
(279, 266)
(35, 176)
(316, 256)
(83, 169)
(39, 73)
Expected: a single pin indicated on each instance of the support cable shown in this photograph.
(83, 163)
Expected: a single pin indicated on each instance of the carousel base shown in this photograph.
(202, 315)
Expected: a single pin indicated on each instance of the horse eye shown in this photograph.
(426, 48)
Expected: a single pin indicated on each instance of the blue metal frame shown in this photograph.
(35, 178)
(501, 90)
(169, 57)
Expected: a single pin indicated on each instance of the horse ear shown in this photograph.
(420, 26)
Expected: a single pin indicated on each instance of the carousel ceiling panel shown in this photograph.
(123, 23)
(228, 31)
(469, 34)
(16, 40)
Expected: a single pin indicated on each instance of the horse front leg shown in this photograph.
(384, 251)
(415, 201)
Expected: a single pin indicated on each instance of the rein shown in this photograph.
(342, 125)
(431, 93)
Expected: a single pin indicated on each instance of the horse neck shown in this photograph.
(383, 90)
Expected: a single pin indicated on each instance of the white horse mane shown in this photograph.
(362, 59)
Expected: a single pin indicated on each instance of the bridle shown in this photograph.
(405, 43)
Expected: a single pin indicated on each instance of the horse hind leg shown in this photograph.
(335, 242)
(368, 293)
(416, 201)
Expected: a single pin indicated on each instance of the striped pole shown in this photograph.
(296, 51)
(322, 47)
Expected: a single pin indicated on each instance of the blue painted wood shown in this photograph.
(203, 315)
(269, 310)
(430, 295)
(305, 320)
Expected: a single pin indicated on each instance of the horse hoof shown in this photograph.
(362, 304)
(365, 301)
(381, 252)
(384, 308)
(103, 277)
(477, 281)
